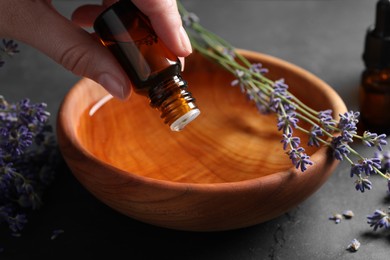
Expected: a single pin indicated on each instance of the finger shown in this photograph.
(166, 21)
(67, 44)
(85, 15)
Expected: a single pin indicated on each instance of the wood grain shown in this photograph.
(225, 170)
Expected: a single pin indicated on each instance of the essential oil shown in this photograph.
(153, 69)
(375, 84)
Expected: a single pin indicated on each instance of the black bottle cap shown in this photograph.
(377, 45)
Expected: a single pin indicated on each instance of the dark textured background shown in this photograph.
(325, 37)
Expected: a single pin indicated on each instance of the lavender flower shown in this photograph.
(363, 184)
(278, 98)
(326, 119)
(348, 119)
(299, 158)
(340, 149)
(27, 155)
(373, 139)
(356, 170)
(369, 166)
(286, 122)
(19, 139)
(314, 134)
(258, 68)
(347, 125)
(288, 139)
(379, 219)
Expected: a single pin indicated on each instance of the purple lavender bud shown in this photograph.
(287, 121)
(288, 139)
(372, 139)
(348, 119)
(326, 119)
(340, 149)
(356, 170)
(315, 132)
(304, 162)
(274, 103)
(258, 68)
(370, 166)
(362, 184)
(379, 219)
(347, 125)
(280, 86)
(299, 158)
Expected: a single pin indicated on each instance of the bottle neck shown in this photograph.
(175, 103)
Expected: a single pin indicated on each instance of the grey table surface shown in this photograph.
(324, 37)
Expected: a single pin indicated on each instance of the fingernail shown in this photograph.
(182, 63)
(185, 41)
(113, 86)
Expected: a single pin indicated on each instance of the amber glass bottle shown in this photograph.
(153, 69)
(375, 86)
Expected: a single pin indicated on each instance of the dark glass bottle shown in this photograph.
(375, 84)
(153, 69)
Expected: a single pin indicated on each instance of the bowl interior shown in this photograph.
(229, 142)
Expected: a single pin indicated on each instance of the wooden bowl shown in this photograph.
(225, 170)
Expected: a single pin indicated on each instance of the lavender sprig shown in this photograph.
(27, 156)
(273, 97)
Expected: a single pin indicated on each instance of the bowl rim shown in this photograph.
(64, 130)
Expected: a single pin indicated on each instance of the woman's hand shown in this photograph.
(37, 23)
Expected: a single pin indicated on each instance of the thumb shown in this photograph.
(43, 28)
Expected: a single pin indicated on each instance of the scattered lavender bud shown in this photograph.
(348, 214)
(354, 245)
(336, 218)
